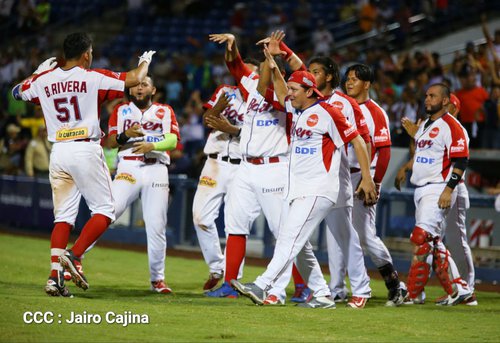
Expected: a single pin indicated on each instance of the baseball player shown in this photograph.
(145, 131)
(359, 78)
(344, 238)
(70, 97)
(223, 159)
(456, 231)
(441, 156)
(318, 133)
(260, 180)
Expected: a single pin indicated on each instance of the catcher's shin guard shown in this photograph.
(420, 269)
(445, 268)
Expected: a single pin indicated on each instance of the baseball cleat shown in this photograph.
(272, 300)
(224, 291)
(73, 265)
(419, 300)
(319, 302)
(395, 297)
(213, 280)
(250, 290)
(55, 287)
(454, 299)
(340, 299)
(160, 287)
(357, 302)
(470, 301)
(302, 293)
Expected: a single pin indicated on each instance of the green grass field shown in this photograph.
(119, 282)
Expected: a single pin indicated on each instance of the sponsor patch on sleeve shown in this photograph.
(207, 181)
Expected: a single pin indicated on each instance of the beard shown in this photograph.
(434, 109)
(143, 103)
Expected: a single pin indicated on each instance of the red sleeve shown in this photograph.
(458, 147)
(213, 99)
(384, 156)
(360, 121)
(346, 131)
(238, 68)
(113, 121)
(381, 135)
(271, 99)
(174, 126)
(110, 94)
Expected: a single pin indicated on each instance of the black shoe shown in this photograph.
(55, 286)
(74, 266)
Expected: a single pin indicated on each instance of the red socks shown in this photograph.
(94, 228)
(297, 278)
(58, 242)
(235, 253)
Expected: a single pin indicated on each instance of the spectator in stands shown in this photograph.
(407, 106)
(302, 24)
(33, 123)
(12, 150)
(368, 16)
(491, 136)
(238, 18)
(472, 98)
(322, 39)
(42, 10)
(192, 130)
(36, 158)
(277, 20)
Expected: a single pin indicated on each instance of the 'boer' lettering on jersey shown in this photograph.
(156, 121)
(68, 100)
(223, 143)
(317, 134)
(435, 147)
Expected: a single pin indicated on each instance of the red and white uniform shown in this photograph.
(70, 101)
(341, 237)
(223, 160)
(363, 217)
(260, 180)
(435, 146)
(456, 233)
(318, 134)
(145, 176)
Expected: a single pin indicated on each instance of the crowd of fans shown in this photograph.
(186, 81)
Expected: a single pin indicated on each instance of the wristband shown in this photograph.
(286, 49)
(454, 180)
(122, 138)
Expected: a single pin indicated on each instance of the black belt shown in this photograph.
(225, 158)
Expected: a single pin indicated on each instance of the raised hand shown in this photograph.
(222, 38)
(269, 58)
(410, 127)
(274, 43)
(146, 57)
(48, 64)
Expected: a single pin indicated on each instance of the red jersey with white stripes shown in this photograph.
(351, 110)
(156, 121)
(317, 134)
(378, 125)
(435, 146)
(219, 142)
(71, 100)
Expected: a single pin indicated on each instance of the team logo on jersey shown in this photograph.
(160, 113)
(383, 136)
(269, 122)
(425, 160)
(434, 132)
(207, 181)
(66, 134)
(126, 177)
(312, 120)
(303, 150)
(338, 105)
(230, 95)
(126, 110)
(301, 133)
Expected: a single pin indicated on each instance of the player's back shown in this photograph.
(71, 99)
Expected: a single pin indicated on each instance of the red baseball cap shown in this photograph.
(454, 100)
(305, 78)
